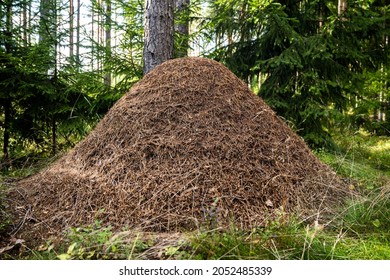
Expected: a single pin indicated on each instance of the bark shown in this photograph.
(54, 136)
(321, 15)
(107, 75)
(71, 30)
(7, 102)
(6, 135)
(25, 36)
(341, 7)
(159, 26)
(44, 25)
(93, 37)
(78, 34)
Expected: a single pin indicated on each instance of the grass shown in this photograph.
(361, 231)
(5, 219)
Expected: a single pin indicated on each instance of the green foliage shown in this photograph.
(310, 63)
(370, 216)
(362, 158)
(361, 236)
(49, 102)
(97, 242)
(88, 242)
(5, 218)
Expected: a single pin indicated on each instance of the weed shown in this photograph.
(97, 242)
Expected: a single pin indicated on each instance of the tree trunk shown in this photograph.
(78, 34)
(93, 37)
(25, 24)
(44, 21)
(6, 135)
(29, 22)
(107, 75)
(158, 33)
(8, 101)
(48, 38)
(321, 16)
(53, 136)
(182, 14)
(71, 30)
(341, 7)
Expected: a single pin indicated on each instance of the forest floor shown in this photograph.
(361, 231)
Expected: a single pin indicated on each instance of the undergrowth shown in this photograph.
(362, 231)
(5, 218)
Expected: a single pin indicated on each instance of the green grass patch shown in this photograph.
(293, 241)
(360, 232)
(5, 217)
(362, 158)
(92, 242)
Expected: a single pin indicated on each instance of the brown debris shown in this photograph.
(189, 146)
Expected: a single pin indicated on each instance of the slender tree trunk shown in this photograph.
(320, 15)
(182, 14)
(380, 112)
(386, 105)
(98, 33)
(6, 135)
(48, 34)
(159, 26)
(44, 20)
(8, 101)
(25, 24)
(78, 34)
(8, 25)
(53, 136)
(341, 7)
(107, 75)
(384, 93)
(29, 22)
(93, 38)
(71, 30)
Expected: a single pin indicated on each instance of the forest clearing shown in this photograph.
(212, 130)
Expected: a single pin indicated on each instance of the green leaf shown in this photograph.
(171, 251)
(376, 223)
(64, 257)
(71, 248)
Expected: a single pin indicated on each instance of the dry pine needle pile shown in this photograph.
(188, 146)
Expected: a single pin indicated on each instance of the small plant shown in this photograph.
(98, 242)
(370, 215)
(87, 242)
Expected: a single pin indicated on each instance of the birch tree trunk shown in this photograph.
(159, 26)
